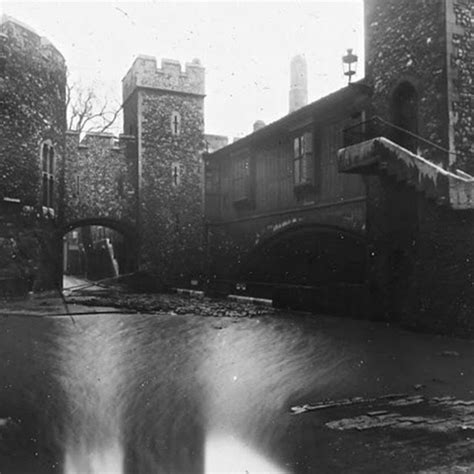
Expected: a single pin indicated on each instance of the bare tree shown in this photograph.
(87, 112)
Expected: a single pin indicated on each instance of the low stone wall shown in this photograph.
(27, 255)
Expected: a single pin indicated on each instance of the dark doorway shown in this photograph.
(405, 116)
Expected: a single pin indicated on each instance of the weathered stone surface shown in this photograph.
(421, 251)
(460, 37)
(32, 110)
(405, 41)
(99, 179)
(164, 109)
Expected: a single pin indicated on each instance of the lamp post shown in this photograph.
(349, 64)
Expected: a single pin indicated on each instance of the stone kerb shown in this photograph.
(170, 77)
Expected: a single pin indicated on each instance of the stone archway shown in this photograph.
(309, 266)
(97, 248)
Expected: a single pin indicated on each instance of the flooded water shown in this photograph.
(120, 393)
(185, 394)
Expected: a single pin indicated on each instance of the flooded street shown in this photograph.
(135, 393)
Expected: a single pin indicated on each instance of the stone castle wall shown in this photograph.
(32, 111)
(420, 265)
(100, 179)
(171, 207)
(406, 41)
(442, 296)
(460, 44)
(165, 108)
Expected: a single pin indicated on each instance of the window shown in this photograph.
(176, 172)
(175, 123)
(242, 180)
(405, 116)
(303, 163)
(47, 165)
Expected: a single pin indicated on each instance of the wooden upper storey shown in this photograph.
(291, 163)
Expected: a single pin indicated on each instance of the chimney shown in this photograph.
(298, 83)
(258, 125)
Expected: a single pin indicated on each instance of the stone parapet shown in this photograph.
(380, 154)
(170, 77)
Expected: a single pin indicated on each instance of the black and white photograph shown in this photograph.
(236, 237)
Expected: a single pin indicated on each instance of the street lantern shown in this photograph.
(349, 64)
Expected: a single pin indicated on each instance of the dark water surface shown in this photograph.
(186, 394)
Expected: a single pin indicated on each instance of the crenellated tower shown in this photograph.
(164, 109)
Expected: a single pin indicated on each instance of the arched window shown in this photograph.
(405, 115)
(48, 168)
(175, 123)
(176, 173)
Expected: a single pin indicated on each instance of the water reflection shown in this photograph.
(225, 453)
(179, 394)
(91, 374)
(94, 460)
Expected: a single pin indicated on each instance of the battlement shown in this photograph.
(102, 140)
(170, 77)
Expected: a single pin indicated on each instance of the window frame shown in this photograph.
(175, 123)
(177, 170)
(48, 172)
(242, 182)
(304, 163)
(303, 158)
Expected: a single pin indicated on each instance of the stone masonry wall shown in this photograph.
(27, 250)
(420, 263)
(99, 179)
(441, 296)
(460, 29)
(32, 110)
(171, 207)
(406, 41)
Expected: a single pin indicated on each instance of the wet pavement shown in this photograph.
(196, 385)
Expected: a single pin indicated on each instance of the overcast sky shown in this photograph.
(245, 47)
